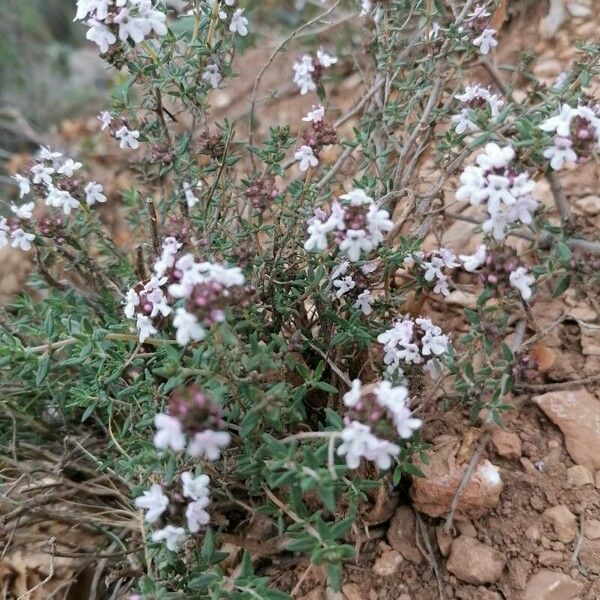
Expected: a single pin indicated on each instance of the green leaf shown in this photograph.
(562, 285)
(42, 370)
(334, 575)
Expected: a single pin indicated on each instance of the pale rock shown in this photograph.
(590, 341)
(387, 564)
(474, 562)
(579, 10)
(562, 521)
(314, 594)
(548, 68)
(331, 594)
(551, 585)
(579, 476)
(460, 298)
(433, 493)
(577, 414)
(533, 533)
(444, 540)
(583, 312)
(591, 529)
(506, 443)
(353, 592)
(588, 205)
(466, 528)
(401, 534)
(550, 558)
(589, 555)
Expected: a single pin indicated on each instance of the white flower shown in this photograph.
(167, 258)
(145, 327)
(127, 138)
(306, 157)
(496, 225)
(188, 191)
(317, 237)
(354, 243)
(3, 233)
(357, 197)
(41, 174)
(340, 269)
(521, 280)
(344, 285)
(101, 35)
(21, 239)
(560, 153)
(473, 185)
(174, 537)
(105, 118)
(498, 192)
(486, 41)
(168, 434)
(472, 262)
(207, 444)
(93, 193)
(378, 222)
(196, 516)
(479, 12)
(46, 154)
(358, 442)
(187, 326)
(495, 157)
(364, 301)
(395, 400)
(61, 199)
(463, 123)
(433, 343)
(441, 286)
(303, 69)
(239, 23)
(315, 115)
(448, 257)
(212, 76)
(154, 501)
(352, 397)
(560, 123)
(25, 211)
(23, 183)
(195, 487)
(69, 167)
(326, 59)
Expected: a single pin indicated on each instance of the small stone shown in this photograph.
(576, 414)
(401, 534)
(590, 342)
(591, 529)
(551, 585)
(562, 521)
(506, 443)
(444, 540)
(549, 558)
(433, 494)
(353, 592)
(387, 564)
(579, 476)
(474, 562)
(466, 528)
(533, 533)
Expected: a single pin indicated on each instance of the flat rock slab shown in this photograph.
(577, 414)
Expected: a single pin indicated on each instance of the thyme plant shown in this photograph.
(259, 346)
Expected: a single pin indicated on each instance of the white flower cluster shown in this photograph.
(358, 439)
(573, 128)
(434, 264)
(486, 39)
(127, 138)
(238, 23)
(522, 280)
(496, 182)
(206, 444)
(359, 226)
(343, 285)
(307, 69)
(175, 278)
(155, 502)
(48, 173)
(109, 20)
(475, 97)
(305, 154)
(416, 342)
